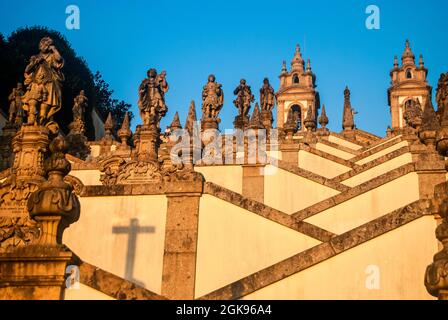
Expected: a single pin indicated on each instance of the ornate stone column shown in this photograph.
(37, 271)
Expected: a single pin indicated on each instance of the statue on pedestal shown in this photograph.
(43, 78)
(76, 140)
(267, 101)
(152, 97)
(244, 98)
(212, 99)
(15, 105)
(79, 106)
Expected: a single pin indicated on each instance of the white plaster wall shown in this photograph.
(227, 176)
(401, 257)
(93, 240)
(234, 243)
(289, 193)
(321, 166)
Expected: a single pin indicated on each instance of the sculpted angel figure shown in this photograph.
(212, 98)
(267, 96)
(15, 104)
(43, 78)
(244, 97)
(152, 96)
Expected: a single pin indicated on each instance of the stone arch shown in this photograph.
(295, 79)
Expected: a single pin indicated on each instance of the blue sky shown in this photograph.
(247, 39)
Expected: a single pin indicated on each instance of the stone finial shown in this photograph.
(255, 120)
(395, 63)
(125, 131)
(323, 119)
(348, 122)
(191, 118)
(429, 126)
(175, 124)
(408, 57)
(310, 120)
(54, 205)
(108, 127)
(290, 126)
(308, 65)
(284, 69)
(421, 62)
(297, 62)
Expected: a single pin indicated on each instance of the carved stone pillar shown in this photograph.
(179, 262)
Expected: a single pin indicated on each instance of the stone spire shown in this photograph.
(175, 124)
(191, 118)
(323, 119)
(348, 122)
(125, 131)
(255, 120)
(421, 62)
(408, 57)
(297, 62)
(108, 126)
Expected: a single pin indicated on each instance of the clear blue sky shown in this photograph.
(235, 39)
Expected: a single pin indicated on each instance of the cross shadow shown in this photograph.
(132, 231)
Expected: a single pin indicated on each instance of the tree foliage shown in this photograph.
(15, 53)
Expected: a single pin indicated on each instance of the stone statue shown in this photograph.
(442, 92)
(212, 98)
(15, 105)
(244, 97)
(152, 97)
(267, 96)
(43, 78)
(413, 113)
(79, 106)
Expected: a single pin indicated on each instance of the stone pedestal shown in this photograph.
(30, 145)
(210, 123)
(241, 122)
(266, 119)
(147, 143)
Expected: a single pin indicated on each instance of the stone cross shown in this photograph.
(132, 230)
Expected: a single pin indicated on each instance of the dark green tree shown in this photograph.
(14, 56)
